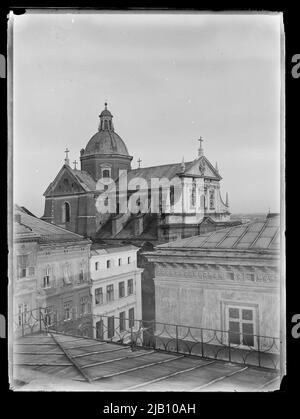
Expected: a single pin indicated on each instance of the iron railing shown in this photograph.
(240, 348)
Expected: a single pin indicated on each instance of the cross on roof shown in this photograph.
(139, 162)
(67, 151)
(201, 141)
(75, 164)
(200, 150)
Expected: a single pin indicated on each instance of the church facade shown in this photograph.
(71, 199)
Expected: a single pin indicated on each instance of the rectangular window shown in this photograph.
(108, 264)
(110, 327)
(122, 321)
(129, 260)
(31, 271)
(130, 286)
(67, 310)
(110, 293)
(131, 317)
(83, 305)
(230, 275)
(99, 330)
(46, 279)
(249, 277)
(98, 296)
(121, 289)
(241, 326)
(119, 261)
(23, 312)
(81, 276)
(96, 266)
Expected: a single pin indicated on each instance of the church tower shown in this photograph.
(106, 152)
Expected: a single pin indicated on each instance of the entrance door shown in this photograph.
(99, 330)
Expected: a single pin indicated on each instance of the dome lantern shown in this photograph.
(105, 120)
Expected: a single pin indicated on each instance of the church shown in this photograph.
(70, 200)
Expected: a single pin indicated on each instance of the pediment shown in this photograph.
(203, 167)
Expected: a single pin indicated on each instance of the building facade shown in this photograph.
(116, 291)
(228, 280)
(51, 272)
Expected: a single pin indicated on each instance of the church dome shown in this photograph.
(106, 140)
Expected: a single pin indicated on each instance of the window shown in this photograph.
(105, 124)
(106, 173)
(193, 194)
(22, 263)
(46, 279)
(230, 275)
(129, 260)
(130, 286)
(31, 271)
(119, 261)
(172, 195)
(122, 321)
(84, 305)
(49, 315)
(241, 326)
(96, 266)
(121, 289)
(66, 212)
(66, 276)
(22, 314)
(212, 199)
(98, 296)
(110, 327)
(81, 275)
(99, 330)
(67, 310)
(131, 317)
(108, 264)
(110, 293)
(249, 276)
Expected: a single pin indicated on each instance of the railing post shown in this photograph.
(202, 348)
(229, 349)
(22, 317)
(40, 318)
(131, 338)
(258, 348)
(177, 338)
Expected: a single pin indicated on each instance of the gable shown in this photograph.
(204, 168)
(64, 183)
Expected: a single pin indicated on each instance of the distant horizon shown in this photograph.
(168, 79)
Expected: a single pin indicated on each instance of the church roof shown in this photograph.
(169, 171)
(47, 232)
(106, 142)
(256, 235)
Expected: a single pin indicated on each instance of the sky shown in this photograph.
(167, 78)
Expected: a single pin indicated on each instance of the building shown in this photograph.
(51, 270)
(116, 290)
(227, 280)
(70, 200)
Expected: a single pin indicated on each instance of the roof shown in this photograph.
(108, 248)
(169, 171)
(106, 142)
(63, 362)
(47, 232)
(84, 178)
(256, 235)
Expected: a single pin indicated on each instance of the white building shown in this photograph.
(116, 291)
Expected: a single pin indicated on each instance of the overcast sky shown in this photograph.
(168, 79)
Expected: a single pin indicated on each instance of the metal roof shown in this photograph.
(62, 362)
(47, 232)
(254, 235)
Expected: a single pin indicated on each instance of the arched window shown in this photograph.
(212, 199)
(66, 212)
(105, 124)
